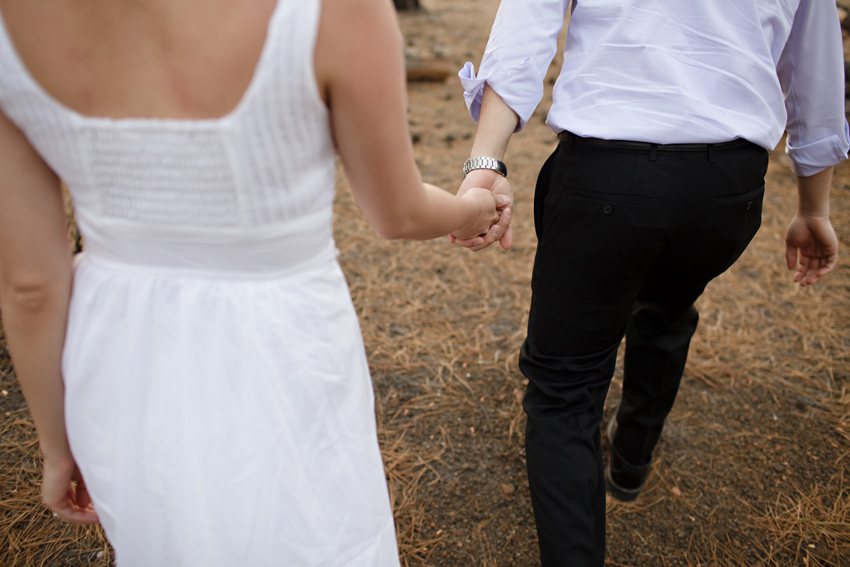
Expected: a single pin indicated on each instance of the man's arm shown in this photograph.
(811, 71)
(504, 93)
(496, 124)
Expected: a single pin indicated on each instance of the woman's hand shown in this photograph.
(501, 230)
(489, 206)
(64, 491)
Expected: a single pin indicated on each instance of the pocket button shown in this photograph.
(607, 209)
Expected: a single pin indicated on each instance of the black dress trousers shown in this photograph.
(628, 240)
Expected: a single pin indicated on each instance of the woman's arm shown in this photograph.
(35, 287)
(359, 64)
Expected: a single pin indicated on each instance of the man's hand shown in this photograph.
(815, 241)
(501, 230)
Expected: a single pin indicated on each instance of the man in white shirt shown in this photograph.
(665, 111)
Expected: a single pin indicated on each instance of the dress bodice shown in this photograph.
(251, 191)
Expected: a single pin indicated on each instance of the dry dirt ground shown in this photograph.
(753, 466)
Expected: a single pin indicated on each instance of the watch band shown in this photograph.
(485, 163)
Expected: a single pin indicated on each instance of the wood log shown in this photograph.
(427, 69)
(406, 5)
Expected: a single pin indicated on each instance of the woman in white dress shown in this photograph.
(204, 384)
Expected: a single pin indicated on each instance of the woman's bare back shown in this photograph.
(182, 59)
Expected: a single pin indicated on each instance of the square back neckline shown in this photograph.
(152, 121)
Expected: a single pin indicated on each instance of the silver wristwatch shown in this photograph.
(485, 163)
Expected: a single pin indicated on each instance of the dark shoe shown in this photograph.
(622, 480)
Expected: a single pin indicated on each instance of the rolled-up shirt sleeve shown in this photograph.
(522, 43)
(811, 71)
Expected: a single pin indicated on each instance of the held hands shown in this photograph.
(815, 240)
(489, 206)
(65, 493)
(500, 229)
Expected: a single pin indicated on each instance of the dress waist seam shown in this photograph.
(224, 273)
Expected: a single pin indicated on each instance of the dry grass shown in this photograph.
(809, 527)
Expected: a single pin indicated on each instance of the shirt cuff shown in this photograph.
(813, 158)
(521, 87)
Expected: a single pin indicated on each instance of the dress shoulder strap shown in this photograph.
(16, 86)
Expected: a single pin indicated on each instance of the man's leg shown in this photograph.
(565, 464)
(657, 342)
(595, 245)
(713, 227)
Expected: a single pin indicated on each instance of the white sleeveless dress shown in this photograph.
(218, 398)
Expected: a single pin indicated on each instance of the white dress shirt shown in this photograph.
(676, 71)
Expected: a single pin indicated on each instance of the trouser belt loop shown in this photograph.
(653, 152)
(712, 157)
(568, 138)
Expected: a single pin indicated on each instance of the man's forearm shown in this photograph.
(813, 194)
(496, 124)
